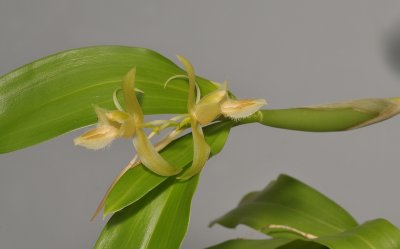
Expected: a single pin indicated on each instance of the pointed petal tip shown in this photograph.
(131, 72)
(395, 100)
(186, 63)
(150, 158)
(201, 153)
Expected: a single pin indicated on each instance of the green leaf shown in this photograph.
(292, 203)
(158, 220)
(137, 182)
(292, 212)
(267, 244)
(251, 244)
(56, 94)
(376, 234)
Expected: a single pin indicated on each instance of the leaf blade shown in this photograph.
(267, 244)
(292, 203)
(375, 234)
(159, 220)
(347, 234)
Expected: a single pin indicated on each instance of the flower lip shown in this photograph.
(239, 109)
(98, 137)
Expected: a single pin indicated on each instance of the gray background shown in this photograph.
(290, 52)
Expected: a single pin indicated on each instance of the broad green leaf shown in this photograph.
(289, 202)
(56, 94)
(375, 234)
(267, 244)
(291, 211)
(137, 182)
(158, 220)
(252, 244)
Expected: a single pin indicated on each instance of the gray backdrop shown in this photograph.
(290, 52)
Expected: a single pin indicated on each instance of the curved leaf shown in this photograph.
(138, 181)
(291, 211)
(376, 234)
(267, 244)
(158, 220)
(292, 203)
(56, 94)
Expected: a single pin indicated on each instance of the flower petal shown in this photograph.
(128, 128)
(117, 116)
(131, 102)
(101, 115)
(192, 82)
(238, 109)
(151, 158)
(209, 107)
(98, 137)
(201, 150)
(145, 150)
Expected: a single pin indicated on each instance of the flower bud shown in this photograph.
(381, 108)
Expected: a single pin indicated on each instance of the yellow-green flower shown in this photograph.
(218, 103)
(111, 125)
(129, 123)
(204, 110)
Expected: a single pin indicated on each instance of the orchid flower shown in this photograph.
(129, 123)
(204, 110)
(112, 125)
(218, 103)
